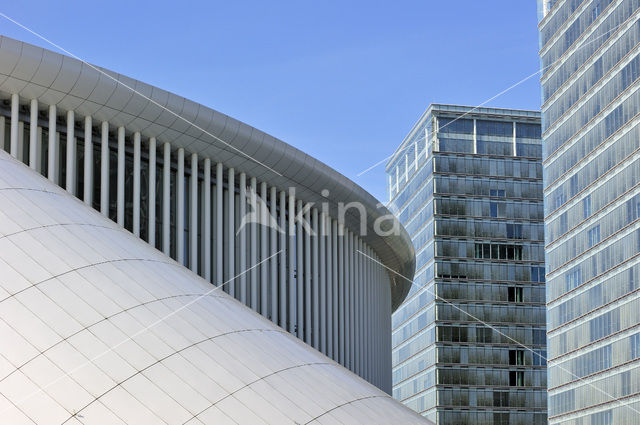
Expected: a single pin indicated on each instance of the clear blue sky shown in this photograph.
(342, 80)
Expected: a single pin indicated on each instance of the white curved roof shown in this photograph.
(54, 79)
(97, 327)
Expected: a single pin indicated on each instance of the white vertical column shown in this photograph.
(33, 135)
(71, 154)
(15, 118)
(387, 338)
(193, 217)
(291, 257)
(104, 169)
(300, 272)
(315, 283)
(365, 311)
(136, 183)
(39, 150)
(21, 141)
(307, 278)
(120, 181)
(372, 325)
(219, 231)
(231, 248)
(342, 256)
(353, 306)
(151, 230)
(379, 323)
(88, 161)
(253, 249)
(328, 321)
(206, 228)
(166, 198)
(360, 304)
(345, 298)
(180, 209)
(264, 267)
(273, 249)
(242, 239)
(348, 313)
(376, 313)
(335, 280)
(57, 161)
(370, 321)
(354, 303)
(282, 261)
(52, 154)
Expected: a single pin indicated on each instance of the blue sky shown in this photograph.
(341, 80)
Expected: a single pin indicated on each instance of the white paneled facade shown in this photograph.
(97, 327)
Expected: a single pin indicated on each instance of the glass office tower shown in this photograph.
(590, 59)
(469, 341)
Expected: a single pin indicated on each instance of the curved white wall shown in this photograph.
(153, 174)
(97, 327)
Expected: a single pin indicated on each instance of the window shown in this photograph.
(500, 399)
(537, 274)
(626, 383)
(497, 192)
(515, 294)
(564, 226)
(483, 334)
(498, 251)
(531, 131)
(494, 128)
(593, 235)
(602, 418)
(534, 274)
(493, 208)
(516, 378)
(633, 209)
(516, 357)
(501, 418)
(514, 231)
(635, 346)
(539, 357)
(573, 278)
(586, 207)
(539, 337)
(595, 12)
(455, 125)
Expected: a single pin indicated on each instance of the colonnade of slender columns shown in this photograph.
(290, 262)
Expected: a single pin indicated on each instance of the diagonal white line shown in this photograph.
(398, 152)
(137, 92)
(436, 297)
(131, 337)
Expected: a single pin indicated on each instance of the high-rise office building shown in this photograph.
(590, 59)
(469, 341)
